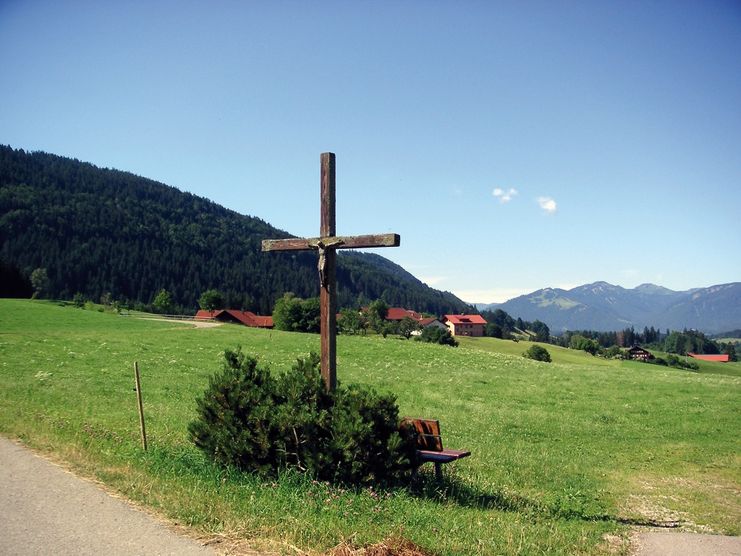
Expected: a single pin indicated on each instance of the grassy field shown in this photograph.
(570, 356)
(563, 453)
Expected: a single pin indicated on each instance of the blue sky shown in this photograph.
(513, 145)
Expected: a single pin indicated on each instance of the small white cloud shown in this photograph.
(504, 196)
(547, 204)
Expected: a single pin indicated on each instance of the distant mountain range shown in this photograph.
(602, 306)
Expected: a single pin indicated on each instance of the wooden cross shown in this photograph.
(327, 244)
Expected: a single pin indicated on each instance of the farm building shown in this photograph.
(247, 318)
(637, 353)
(397, 314)
(722, 358)
(428, 323)
(465, 325)
(431, 321)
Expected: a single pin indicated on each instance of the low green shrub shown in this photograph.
(674, 361)
(614, 352)
(436, 335)
(539, 353)
(252, 420)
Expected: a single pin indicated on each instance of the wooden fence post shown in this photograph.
(141, 407)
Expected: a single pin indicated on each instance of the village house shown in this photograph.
(397, 314)
(429, 322)
(247, 318)
(465, 325)
(637, 353)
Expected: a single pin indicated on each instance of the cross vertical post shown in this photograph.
(328, 282)
(326, 245)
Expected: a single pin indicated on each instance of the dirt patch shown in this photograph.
(194, 323)
(614, 544)
(698, 504)
(388, 547)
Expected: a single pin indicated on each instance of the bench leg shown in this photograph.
(438, 471)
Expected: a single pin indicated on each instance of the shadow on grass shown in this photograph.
(569, 504)
(453, 490)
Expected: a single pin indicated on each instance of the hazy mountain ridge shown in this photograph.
(604, 307)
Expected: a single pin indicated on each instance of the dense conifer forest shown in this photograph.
(101, 231)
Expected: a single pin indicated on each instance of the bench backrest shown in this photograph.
(428, 433)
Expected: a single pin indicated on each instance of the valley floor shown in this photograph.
(567, 456)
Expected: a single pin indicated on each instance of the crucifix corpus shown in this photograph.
(326, 245)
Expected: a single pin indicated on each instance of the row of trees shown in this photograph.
(302, 315)
(676, 342)
(501, 325)
(622, 338)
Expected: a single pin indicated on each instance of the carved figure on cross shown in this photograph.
(326, 245)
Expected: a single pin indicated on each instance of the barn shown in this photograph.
(247, 318)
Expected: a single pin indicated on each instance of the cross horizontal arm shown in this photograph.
(338, 242)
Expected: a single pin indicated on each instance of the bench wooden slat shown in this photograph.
(430, 444)
(444, 457)
(428, 433)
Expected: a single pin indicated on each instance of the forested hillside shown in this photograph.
(99, 231)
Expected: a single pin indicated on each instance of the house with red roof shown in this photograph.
(465, 325)
(722, 358)
(247, 318)
(399, 314)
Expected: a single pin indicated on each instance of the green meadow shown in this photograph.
(568, 457)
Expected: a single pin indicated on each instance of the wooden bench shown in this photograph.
(430, 444)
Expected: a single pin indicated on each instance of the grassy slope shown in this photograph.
(713, 367)
(570, 356)
(562, 452)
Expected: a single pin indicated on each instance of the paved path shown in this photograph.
(685, 544)
(46, 510)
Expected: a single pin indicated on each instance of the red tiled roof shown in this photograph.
(723, 358)
(465, 319)
(427, 321)
(206, 315)
(398, 313)
(245, 317)
(248, 318)
(263, 322)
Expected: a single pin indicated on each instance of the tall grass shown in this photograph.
(563, 453)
